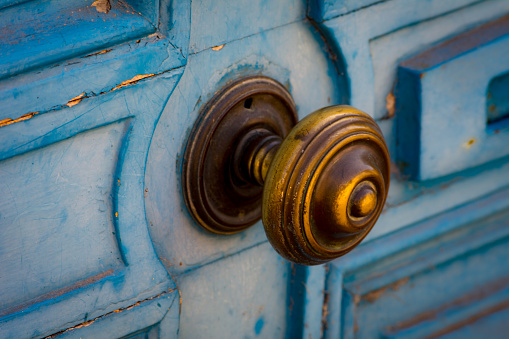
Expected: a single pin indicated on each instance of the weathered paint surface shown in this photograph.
(431, 279)
(425, 115)
(95, 239)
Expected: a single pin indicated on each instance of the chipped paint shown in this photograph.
(102, 6)
(376, 294)
(132, 81)
(469, 143)
(99, 53)
(76, 100)
(470, 320)
(325, 313)
(90, 322)
(218, 48)
(27, 116)
(390, 105)
(464, 301)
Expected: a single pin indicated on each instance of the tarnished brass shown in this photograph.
(218, 186)
(326, 185)
(324, 181)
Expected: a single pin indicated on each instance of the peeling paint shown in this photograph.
(90, 322)
(469, 143)
(462, 302)
(27, 116)
(376, 294)
(102, 6)
(390, 105)
(99, 53)
(218, 48)
(76, 100)
(132, 81)
(325, 313)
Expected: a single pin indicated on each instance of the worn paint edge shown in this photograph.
(57, 293)
(90, 322)
(79, 98)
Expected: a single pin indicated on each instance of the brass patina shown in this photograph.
(324, 181)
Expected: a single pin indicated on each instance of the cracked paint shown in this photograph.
(90, 322)
(27, 116)
(218, 48)
(132, 81)
(76, 100)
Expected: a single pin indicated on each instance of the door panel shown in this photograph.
(76, 255)
(96, 239)
(453, 274)
(459, 105)
(79, 242)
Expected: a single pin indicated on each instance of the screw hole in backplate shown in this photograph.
(248, 103)
(214, 195)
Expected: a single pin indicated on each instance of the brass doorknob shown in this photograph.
(319, 185)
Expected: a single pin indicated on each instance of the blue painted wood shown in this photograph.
(495, 326)
(219, 22)
(243, 295)
(86, 297)
(305, 301)
(376, 49)
(41, 253)
(497, 101)
(7, 3)
(352, 34)
(52, 88)
(142, 95)
(160, 316)
(34, 36)
(181, 244)
(327, 9)
(428, 284)
(149, 9)
(425, 115)
(470, 308)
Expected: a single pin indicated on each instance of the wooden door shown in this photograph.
(99, 98)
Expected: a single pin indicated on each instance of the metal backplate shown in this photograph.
(218, 198)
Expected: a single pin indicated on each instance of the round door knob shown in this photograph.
(319, 185)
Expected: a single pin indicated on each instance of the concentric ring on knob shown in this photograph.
(326, 186)
(363, 200)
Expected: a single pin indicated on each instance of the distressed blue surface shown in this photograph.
(239, 296)
(34, 36)
(426, 114)
(40, 252)
(75, 242)
(140, 275)
(426, 279)
(327, 9)
(219, 22)
(353, 33)
(309, 77)
(372, 52)
(95, 237)
(497, 100)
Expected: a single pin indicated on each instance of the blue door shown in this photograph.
(99, 99)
